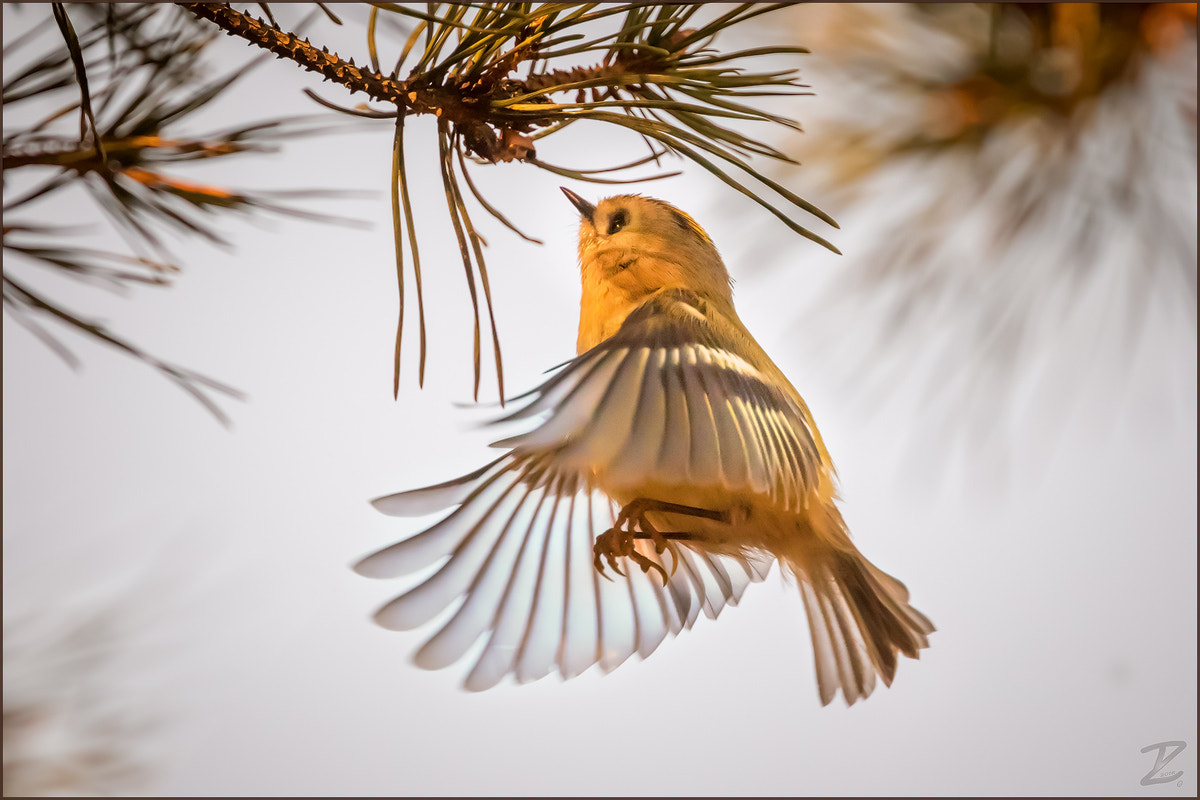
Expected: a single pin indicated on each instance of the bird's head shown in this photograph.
(632, 246)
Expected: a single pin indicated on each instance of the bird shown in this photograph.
(660, 472)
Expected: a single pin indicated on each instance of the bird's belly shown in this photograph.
(711, 498)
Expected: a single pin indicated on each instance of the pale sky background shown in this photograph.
(210, 567)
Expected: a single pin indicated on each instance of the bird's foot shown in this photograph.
(617, 541)
(614, 543)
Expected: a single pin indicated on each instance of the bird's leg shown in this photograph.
(617, 541)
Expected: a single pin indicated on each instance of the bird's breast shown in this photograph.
(602, 310)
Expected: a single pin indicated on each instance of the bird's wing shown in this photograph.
(674, 398)
(668, 398)
(515, 565)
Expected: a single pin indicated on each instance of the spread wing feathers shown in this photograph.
(516, 567)
(668, 399)
(860, 619)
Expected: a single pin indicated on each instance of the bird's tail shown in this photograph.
(859, 616)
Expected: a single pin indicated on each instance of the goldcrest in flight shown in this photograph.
(672, 464)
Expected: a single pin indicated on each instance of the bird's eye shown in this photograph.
(617, 221)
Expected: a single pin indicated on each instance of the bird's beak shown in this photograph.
(586, 209)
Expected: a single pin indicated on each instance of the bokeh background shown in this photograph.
(1003, 365)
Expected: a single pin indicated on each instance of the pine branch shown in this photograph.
(485, 72)
(288, 45)
(489, 72)
(131, 99)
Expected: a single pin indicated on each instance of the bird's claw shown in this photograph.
(616, 543)
(646, 564)
(612, 543)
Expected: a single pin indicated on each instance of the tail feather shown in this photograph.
(860, 619)
(856, 664)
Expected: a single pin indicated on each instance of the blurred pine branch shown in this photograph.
(1023, 191)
